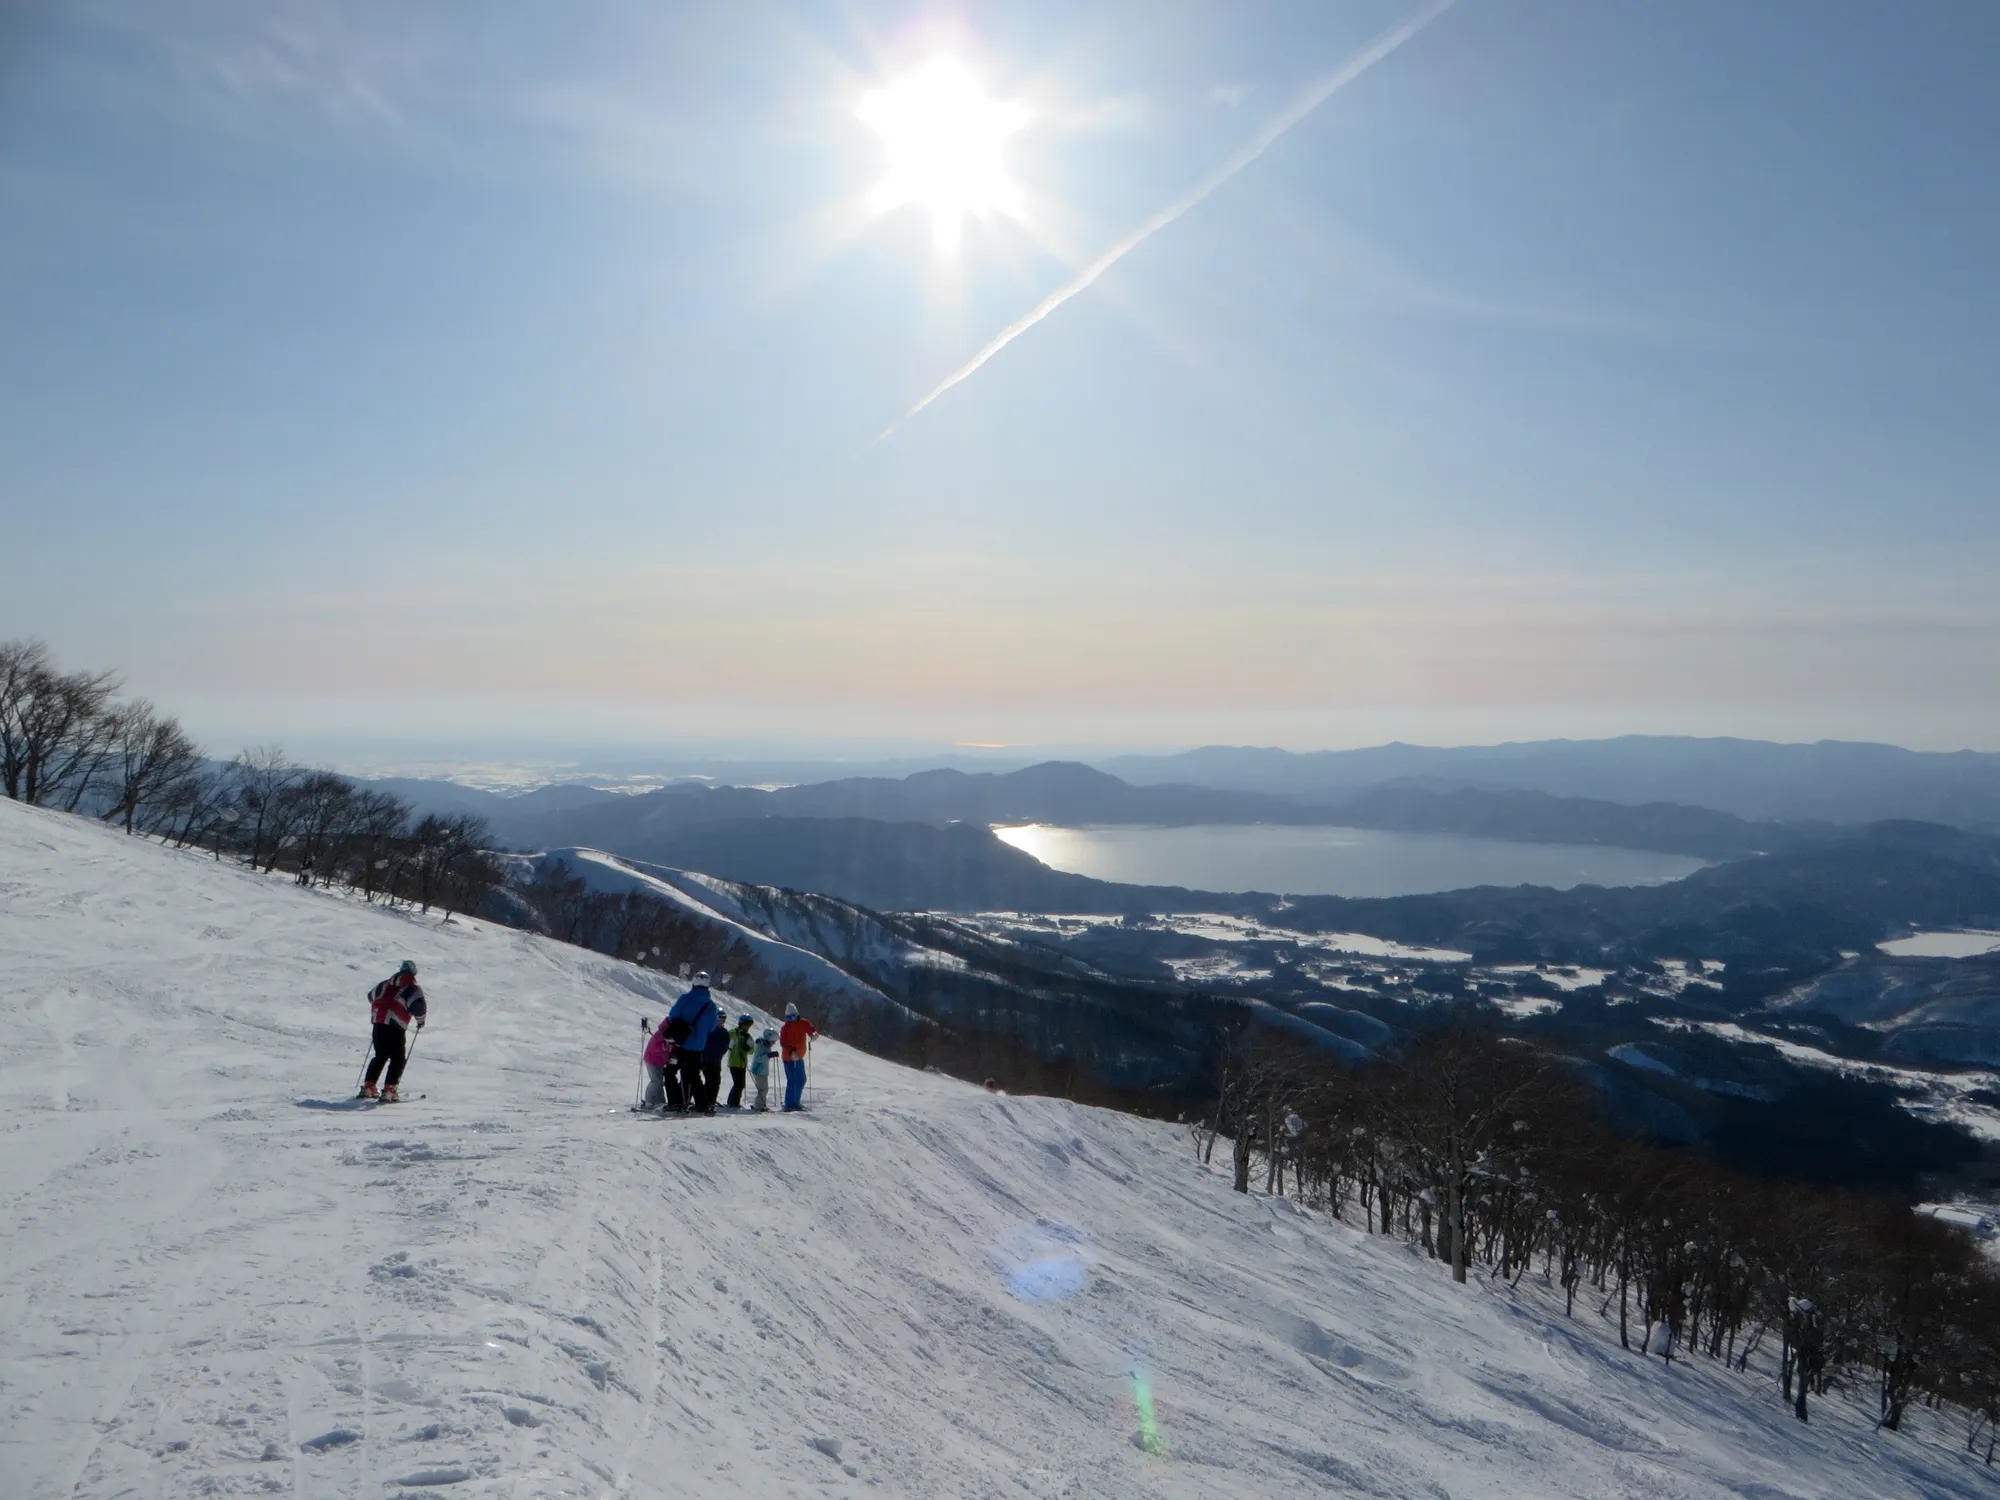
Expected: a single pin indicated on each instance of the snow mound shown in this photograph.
(222, 1277)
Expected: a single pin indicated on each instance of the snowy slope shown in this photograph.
(218, 1280)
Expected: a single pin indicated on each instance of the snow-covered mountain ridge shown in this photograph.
(217, 1279)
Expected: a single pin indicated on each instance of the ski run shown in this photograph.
(220, 1277)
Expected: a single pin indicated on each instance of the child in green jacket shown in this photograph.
(740, 1043)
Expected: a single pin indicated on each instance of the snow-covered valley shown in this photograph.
(220, 1277)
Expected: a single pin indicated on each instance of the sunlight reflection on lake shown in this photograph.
(1332, 861)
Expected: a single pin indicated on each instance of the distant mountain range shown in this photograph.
(1835, 781)
(924, 842)
(655, 825)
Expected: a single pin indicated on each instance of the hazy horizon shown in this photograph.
(377, 733)
(518, 767)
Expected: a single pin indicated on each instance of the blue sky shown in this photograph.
(493, 372)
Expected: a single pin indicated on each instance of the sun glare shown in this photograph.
(944, 137)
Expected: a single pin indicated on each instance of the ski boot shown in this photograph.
(367, 1092)
(389, 1095)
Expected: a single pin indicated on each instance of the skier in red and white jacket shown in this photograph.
(392, 1005)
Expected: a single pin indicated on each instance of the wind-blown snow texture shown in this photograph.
(218, 1279)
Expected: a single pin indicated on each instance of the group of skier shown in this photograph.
(683, 1058)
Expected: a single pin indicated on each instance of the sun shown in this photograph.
(944, 137)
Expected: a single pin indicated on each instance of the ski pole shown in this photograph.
(409, 1055)
(639, 1099)
(367, 1052)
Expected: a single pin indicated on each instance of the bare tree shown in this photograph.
(80, 770)
(470, 874)
(377, 842)
(1455, 1107)
(440, 847)
(1921, 1274)
(263, 777)
(55, 727)
(23, 664)
(153, 759)
(190, 811)
(317, 815)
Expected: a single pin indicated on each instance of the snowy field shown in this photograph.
(220, 1279)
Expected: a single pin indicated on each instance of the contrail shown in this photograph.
(1304, 105)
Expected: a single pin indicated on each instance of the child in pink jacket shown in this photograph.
(663, 1085)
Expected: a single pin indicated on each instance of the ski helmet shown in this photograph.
(791, 1012)
(745, 1019)
(702, 977)
(408, 967)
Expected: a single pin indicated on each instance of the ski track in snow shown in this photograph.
(220, 1279)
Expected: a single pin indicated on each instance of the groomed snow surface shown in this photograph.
(220, 1279)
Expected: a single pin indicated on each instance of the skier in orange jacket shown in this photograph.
(794, 1042)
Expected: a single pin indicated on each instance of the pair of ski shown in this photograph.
(647, 1109)
(720, 1109)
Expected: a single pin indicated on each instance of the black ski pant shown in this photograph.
(388, 1049)
(711, 1081)
(690, 1070)
(737, 1078)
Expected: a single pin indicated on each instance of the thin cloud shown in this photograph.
(255, 64)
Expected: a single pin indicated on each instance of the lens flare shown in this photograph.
(1045, 1261)
(1142, 1397)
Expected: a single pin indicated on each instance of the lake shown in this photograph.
(1942, 945)
(1333, 861)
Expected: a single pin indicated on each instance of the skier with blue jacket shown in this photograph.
(697, 1008)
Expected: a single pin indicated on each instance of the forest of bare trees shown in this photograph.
(69, 742)
(66, 741)
(1491, 1155)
